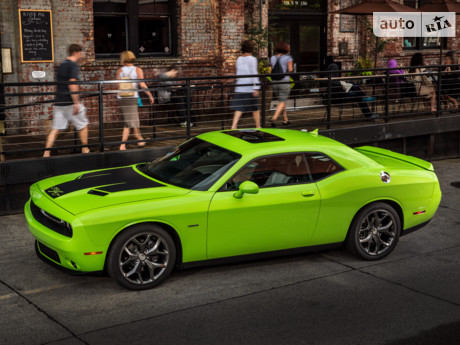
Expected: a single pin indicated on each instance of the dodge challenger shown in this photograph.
(230, 195)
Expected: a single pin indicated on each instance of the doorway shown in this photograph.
(307, 38)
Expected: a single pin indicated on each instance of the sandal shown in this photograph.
(143, 143)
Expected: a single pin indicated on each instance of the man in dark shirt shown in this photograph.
(67, 106)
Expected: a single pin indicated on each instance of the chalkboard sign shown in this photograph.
(36, 33)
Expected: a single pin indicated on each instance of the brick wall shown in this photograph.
(209, 33)
(336, 36)
(232, 26)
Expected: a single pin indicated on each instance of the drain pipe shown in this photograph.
(2, 96)
(260, 14)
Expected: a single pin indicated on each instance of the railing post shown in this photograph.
(387, 95)
(328, 106)
(101, 118)
(188, 93)
(438, 99)
(222, 119)
(264, 99)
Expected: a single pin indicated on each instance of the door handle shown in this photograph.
(308, 193)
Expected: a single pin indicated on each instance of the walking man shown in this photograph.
(67, 106)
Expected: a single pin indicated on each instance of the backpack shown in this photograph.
(126, 86)
(277, 69)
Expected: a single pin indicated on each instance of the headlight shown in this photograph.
(51, 222)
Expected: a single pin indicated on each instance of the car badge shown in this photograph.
(385, 177)
(55, 192)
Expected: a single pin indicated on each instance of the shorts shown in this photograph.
(64, 114)
(244, 102)
(282, 91)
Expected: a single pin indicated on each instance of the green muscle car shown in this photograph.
(230, 195)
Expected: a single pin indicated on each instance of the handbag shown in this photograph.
(126, 86)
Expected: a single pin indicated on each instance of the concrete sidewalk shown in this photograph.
(410, 297)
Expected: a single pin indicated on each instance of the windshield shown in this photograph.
(196, 164)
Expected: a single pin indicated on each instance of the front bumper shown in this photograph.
(65, 252)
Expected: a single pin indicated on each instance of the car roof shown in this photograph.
(273, 140)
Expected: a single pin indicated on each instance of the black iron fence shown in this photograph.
(325, 100)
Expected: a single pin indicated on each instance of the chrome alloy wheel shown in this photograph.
(377, 232)
(144, 258)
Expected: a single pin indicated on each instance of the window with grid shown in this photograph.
(421, 42)
(142, 26)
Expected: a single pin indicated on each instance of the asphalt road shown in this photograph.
(331, 297)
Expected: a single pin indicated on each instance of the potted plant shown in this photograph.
(260, 35)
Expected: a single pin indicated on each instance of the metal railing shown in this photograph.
(325, 100)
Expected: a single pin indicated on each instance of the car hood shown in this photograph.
(82, 192)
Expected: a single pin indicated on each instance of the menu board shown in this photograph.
(36, 34)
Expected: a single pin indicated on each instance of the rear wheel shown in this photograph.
(141, 257)
(374, 232)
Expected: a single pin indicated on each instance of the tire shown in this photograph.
(374, 232)
(141, 257)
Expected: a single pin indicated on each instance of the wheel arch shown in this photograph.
(168, 228)
(396, 206)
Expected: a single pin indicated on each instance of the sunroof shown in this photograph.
(253, 136)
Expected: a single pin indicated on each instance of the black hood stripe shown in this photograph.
(110, 181)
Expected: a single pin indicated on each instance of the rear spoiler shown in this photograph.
(387, 153)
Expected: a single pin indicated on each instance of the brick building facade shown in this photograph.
(206, 35)
(202, 36)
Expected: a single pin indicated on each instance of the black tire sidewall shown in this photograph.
(113, 268)
(352, 242)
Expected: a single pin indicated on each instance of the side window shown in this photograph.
(273, 171)
(321, 166)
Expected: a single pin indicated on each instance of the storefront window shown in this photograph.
(143, 26)
(420, 42)
(295, 4)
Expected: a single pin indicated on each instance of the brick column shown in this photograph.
(232, 26)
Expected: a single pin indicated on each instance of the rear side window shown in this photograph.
(321, 166)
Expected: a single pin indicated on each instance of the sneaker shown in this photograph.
(376, 118)
(184, 124)
(369, 99)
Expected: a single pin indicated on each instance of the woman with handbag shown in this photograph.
(128, 97)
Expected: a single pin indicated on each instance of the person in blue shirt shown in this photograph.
(282, 87)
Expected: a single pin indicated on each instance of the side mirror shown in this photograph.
(246, 187)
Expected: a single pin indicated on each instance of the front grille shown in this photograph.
(50, 221)
(51, 254)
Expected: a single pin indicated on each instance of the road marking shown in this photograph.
(10, 295)
(35, 291)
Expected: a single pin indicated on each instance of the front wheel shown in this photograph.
(141, 257)
(374, 232)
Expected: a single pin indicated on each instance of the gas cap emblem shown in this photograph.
(385, 177)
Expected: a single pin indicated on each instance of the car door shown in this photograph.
(282, 215)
